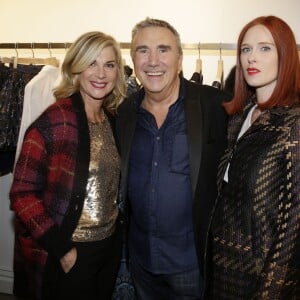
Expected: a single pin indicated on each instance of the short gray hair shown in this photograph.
(149, 22)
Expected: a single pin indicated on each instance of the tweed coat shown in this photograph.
(255, 229)
(48, 190)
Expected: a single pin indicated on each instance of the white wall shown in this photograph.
(204, 21)
(196, 20)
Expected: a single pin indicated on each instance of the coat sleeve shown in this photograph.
(281, 272)
(27, 195)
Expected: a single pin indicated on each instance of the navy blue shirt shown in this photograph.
(161, 236)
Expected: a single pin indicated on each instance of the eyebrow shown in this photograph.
(141, 47)
(260, 43)
(161, 46)
(166, 47)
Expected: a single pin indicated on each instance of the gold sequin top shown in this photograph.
(100, 210)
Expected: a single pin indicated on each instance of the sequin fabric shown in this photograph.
(100, 210)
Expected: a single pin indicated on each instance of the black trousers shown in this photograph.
(93, 275)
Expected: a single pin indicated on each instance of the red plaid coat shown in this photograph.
(48, 190)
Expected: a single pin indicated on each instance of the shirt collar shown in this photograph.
(139, 96)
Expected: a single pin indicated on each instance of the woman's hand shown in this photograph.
(68, 260)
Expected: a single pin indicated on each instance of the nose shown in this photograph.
(252, 57)
(100, 71)
(153, 58)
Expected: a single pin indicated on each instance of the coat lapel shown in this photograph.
(127, 129)
(194, 132)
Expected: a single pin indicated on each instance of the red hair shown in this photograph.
(287, 89)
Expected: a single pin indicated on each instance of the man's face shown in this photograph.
(156, 59)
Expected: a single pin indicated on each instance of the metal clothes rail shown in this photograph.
(123, 45)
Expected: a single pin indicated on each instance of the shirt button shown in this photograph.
(76, 207)
(158, 138)
(155, 164)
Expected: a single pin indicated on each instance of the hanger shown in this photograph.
(15, 58)
(198, 61)
(220, 69)
(53, 61)
(39, 61)
(197, 76)
(12, 61)
(6, 60)
(218, 82)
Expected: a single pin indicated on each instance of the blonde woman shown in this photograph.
(65, 185)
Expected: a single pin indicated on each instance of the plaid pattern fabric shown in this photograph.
(46, 194)
(255, 229)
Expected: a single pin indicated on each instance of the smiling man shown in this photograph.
(171, 135)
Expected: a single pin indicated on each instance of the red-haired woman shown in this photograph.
(255, 228)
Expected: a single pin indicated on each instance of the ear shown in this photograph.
(180, 58)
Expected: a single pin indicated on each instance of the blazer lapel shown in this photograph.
(194, 119)
(127, 128)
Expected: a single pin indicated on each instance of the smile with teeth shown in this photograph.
(157, 73)
(98, 84)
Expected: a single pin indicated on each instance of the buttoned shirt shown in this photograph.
(161, 236)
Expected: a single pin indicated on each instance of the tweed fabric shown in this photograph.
(255, 228)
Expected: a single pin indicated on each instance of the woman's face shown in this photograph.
(100, 78)
(259, 61)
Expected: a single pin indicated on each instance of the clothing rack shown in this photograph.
(123, 45)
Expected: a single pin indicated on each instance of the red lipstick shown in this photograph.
(252, 71)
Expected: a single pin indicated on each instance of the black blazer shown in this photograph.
(206, 130)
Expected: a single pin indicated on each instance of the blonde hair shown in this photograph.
(78, 58)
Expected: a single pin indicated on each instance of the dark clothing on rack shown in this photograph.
(197, 77)
(12, 85)
(132, 86)
(217, 84)
(230, 81)
(131, 83)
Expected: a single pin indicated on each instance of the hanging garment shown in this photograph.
(12, 87)
(230, 81)
(38, 95)
(131, 82)
(218, 82)
(197, 77)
